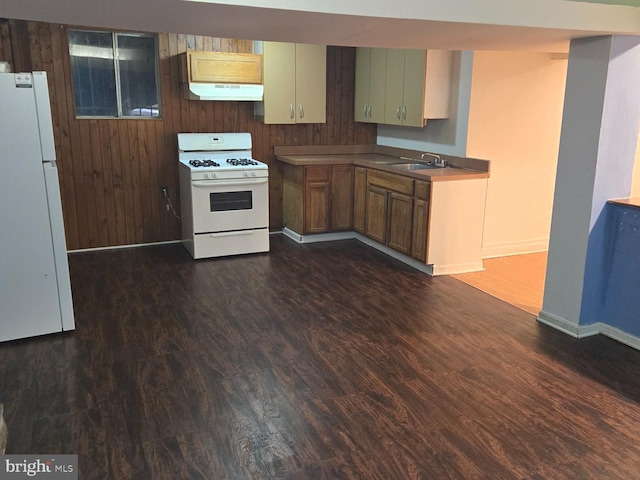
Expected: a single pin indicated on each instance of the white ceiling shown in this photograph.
(248, 21)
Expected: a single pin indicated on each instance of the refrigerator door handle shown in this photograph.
(43, 107)
(59, 245)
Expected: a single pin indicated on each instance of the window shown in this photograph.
(114, 74)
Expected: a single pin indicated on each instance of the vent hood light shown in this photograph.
(223, 91)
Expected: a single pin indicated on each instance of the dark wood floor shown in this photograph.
(314, 361)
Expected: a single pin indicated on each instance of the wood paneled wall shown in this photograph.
(111, 170)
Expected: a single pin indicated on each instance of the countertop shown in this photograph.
(627, 202)
(381, 162)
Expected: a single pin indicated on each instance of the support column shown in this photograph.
(595, 163)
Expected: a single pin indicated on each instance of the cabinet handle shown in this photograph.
(398, 112)
(301, 111)
(404, 112)
(291, 110)
(370, 108)
(366, 108)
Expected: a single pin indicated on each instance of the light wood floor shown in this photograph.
(518, 280)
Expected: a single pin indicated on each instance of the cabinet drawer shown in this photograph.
(422, 190)
(318, 173)
(390, 181)
(223, 67)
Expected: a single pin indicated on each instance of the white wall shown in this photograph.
(514, 121)
(635, 186)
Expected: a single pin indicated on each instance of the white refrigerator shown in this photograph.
(35, 289)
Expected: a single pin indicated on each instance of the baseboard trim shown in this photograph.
(515, 248)
(397, 255)
(120, 247)
(620, 336)
(578, 331)
(432, 270)
(328, 237)
(456, 269)
(570, 328)
(318, 237)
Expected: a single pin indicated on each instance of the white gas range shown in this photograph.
(224, 195)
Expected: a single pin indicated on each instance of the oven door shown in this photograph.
(230, 205)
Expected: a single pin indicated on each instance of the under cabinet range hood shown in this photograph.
(223, 91)
(221, 76)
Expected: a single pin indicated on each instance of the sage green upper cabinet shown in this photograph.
(371, 66)
(295, 83)
(405, 85)
(416, 86)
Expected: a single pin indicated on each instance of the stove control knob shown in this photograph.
(246, 174)
(206, 175)
(253, 174)
(213, 175)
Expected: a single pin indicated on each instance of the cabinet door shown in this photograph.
(221, 67)
(311, 83)
(359, 199)
(341, 197)
(415, 62)
(317, 207)
(377, 84)
(420, 225)
(394, 87)
(362, 85)
(279, 61)
(400, 222)
(371, 71)
(317, 198)
(376, 217)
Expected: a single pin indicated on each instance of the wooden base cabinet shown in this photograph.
(389, 209)
(341, 210)
(399, 222)
(359, 199)
(318, 198)
(376, 216)
(420, 227)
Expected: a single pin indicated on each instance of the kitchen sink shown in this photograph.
(410, 167)
(393, 161)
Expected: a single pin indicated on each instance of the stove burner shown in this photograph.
(241, 161)
(203, 163)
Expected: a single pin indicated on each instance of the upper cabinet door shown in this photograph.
(279, 61)
(402, 87)
(415, 62)
(362, 87)
(295, 83)
(394, 87)
(377, 84)
(311, 83)
(371, 70)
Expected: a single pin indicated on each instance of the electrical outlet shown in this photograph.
(164, 192)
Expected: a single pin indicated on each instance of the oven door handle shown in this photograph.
(229, 183)
(232, 234)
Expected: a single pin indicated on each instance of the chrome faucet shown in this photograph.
(439, 162)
